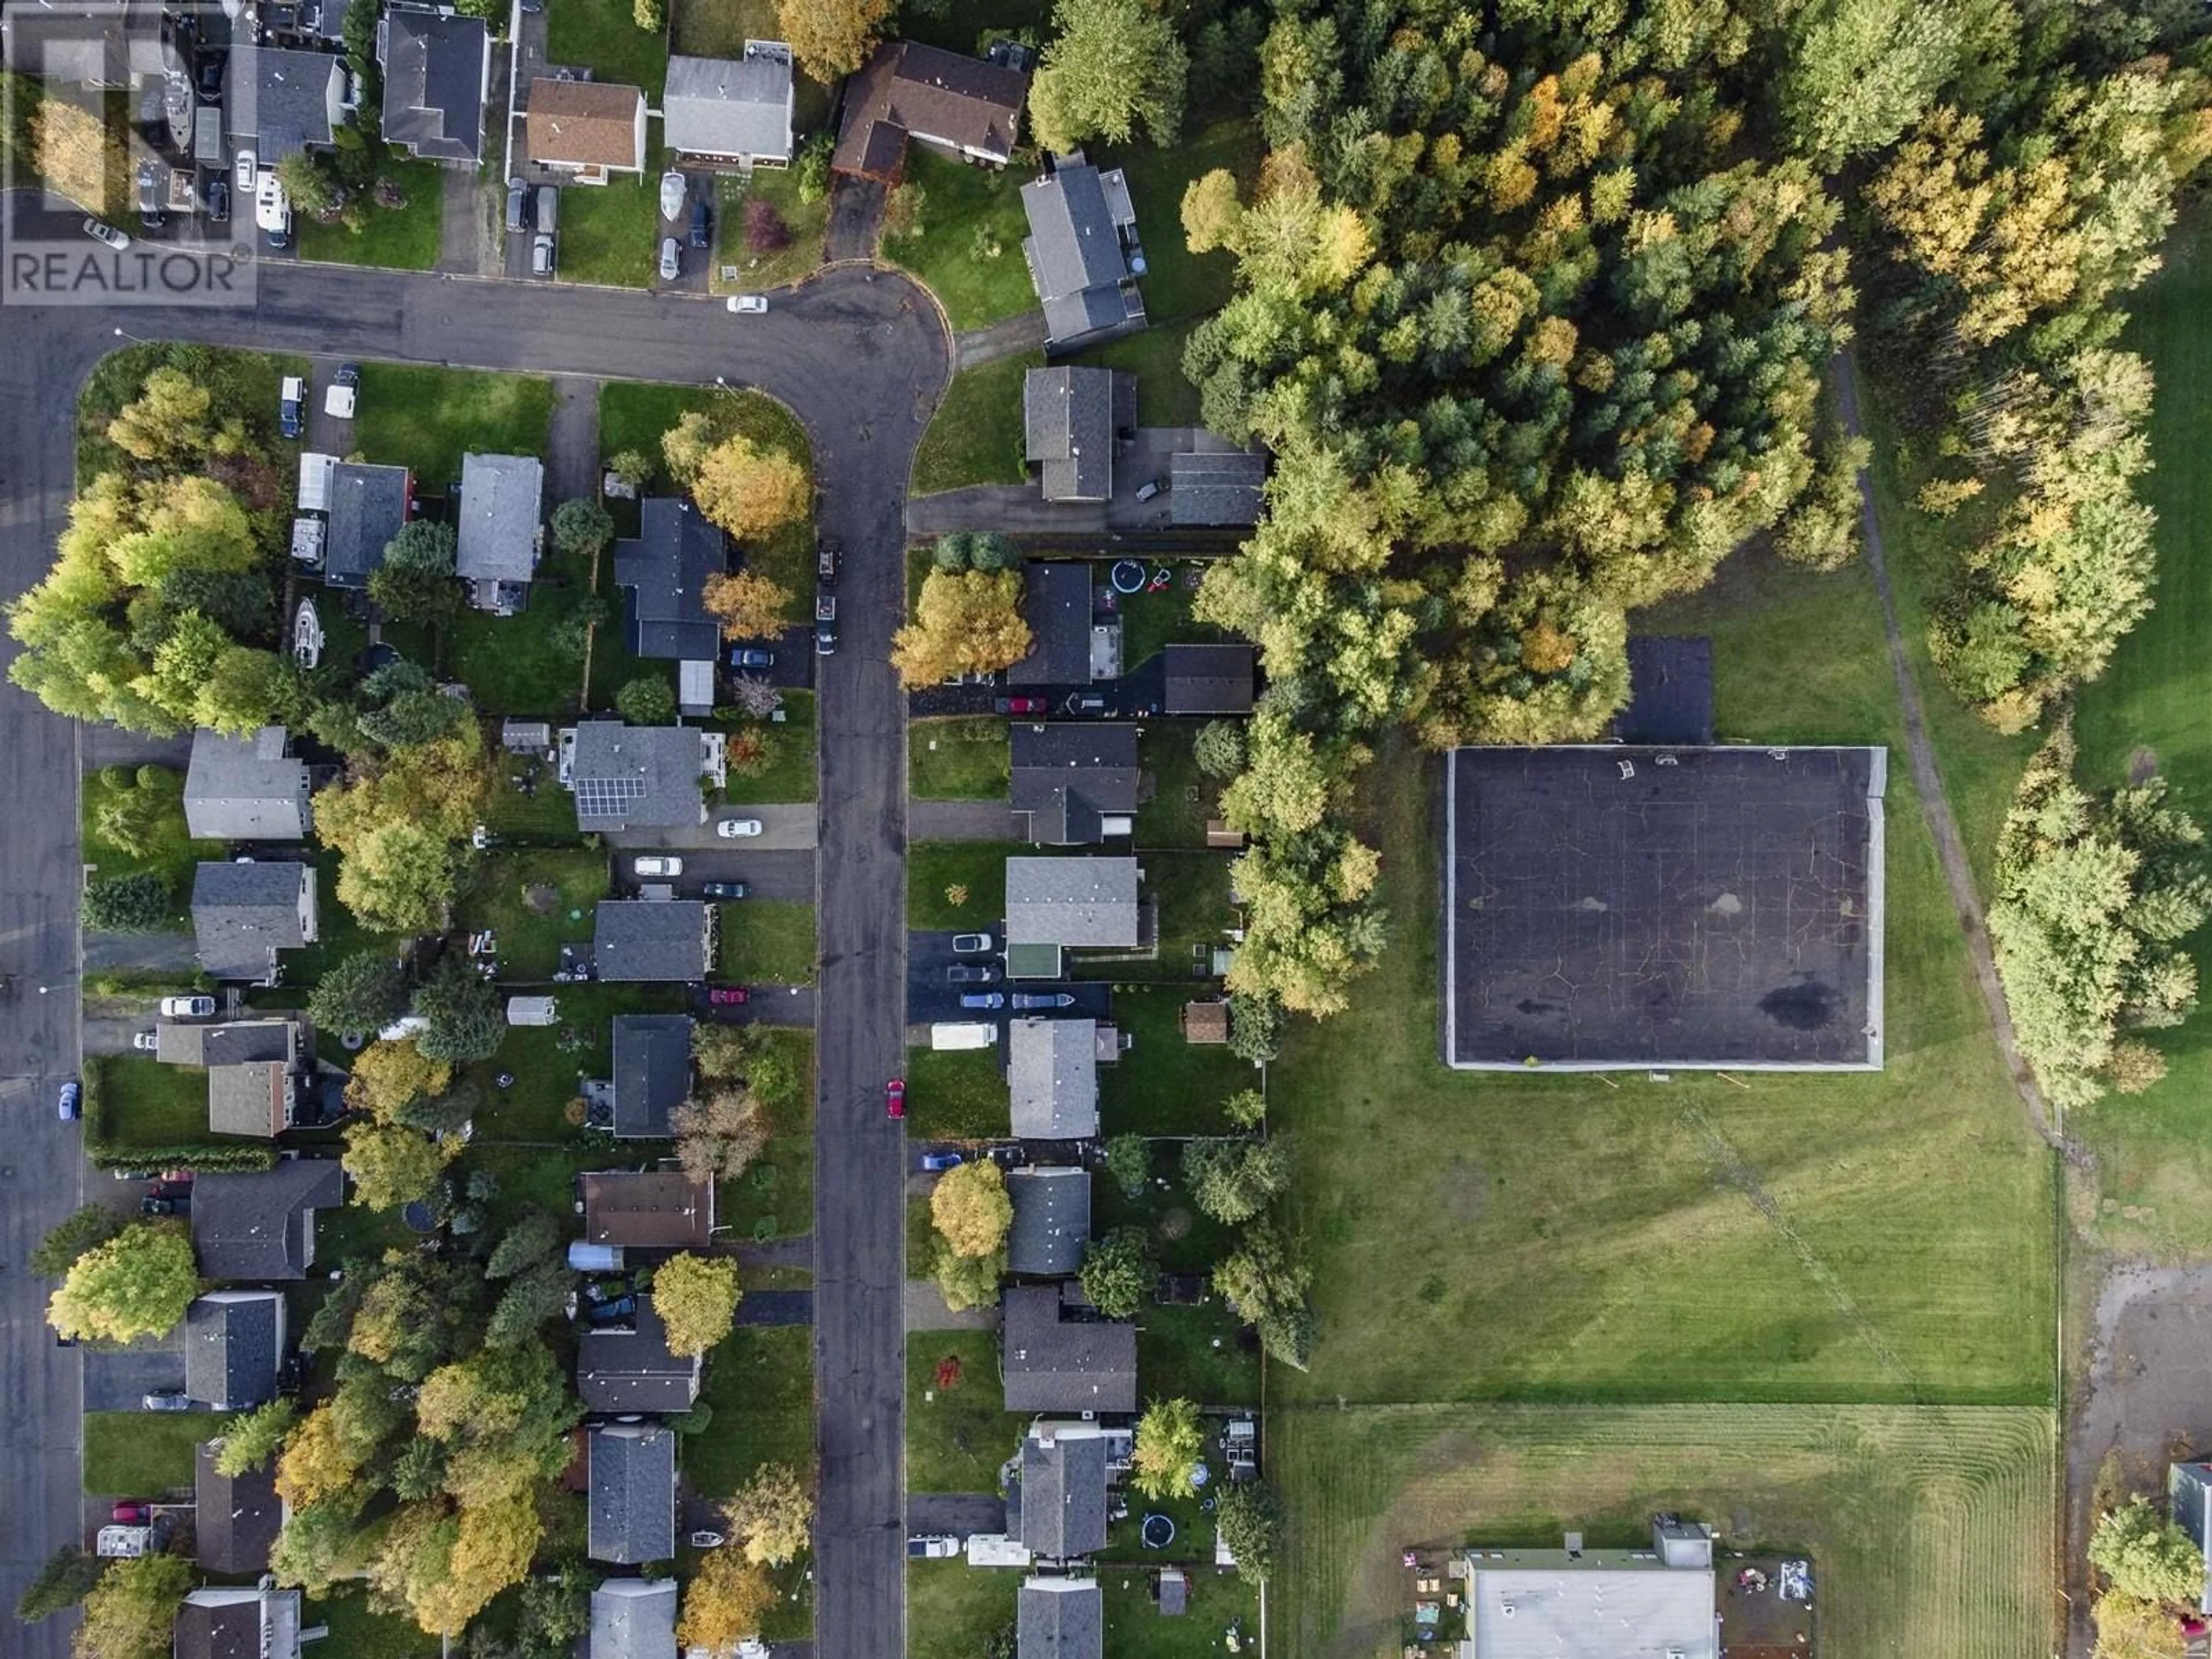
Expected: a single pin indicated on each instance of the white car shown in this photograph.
(672, 259)
(272, 210)
(660, 864)
(187, 1007)
(248, 165)
(730, 829)
(673, 192)
(145, 1042)
(107, 233)
(749, 305)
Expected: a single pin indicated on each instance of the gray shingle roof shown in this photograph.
(1207, 679)
(653, 1072)
(661, 940)
(293, 100)
(724, 106)
(632, 1493)
(1215, 487)
(1052, 1364)
(1056, 605)
(1052, 1076)
(665, 568)
(246, 788)
(233, 1341)
(1068, 420)
(631, 777)
(1052, 1218)
(1067, 776)
(261, 1225)
(1063, 1492)
(243, 914)
(1077, 261)
(235, 1518)
(367, 505)
(634, 1618)
(1059, 1618)
(632, 1371)
(434, 83)
(500, 497)
(1072, 900)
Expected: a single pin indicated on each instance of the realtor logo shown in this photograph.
(126, 181)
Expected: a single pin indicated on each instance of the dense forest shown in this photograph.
(1534, 303)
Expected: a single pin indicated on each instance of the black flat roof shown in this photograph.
(1616, 906)
(1670, 691)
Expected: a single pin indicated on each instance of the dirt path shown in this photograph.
(1958, 872)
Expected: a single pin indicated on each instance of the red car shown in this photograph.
(1021, 705)
(894, 1098)
(132, 1513)
(725, 996)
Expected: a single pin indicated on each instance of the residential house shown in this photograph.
(233, 1346)
(246, 911)
(1084, 255)
(259, 1071)
(1056, 605)
(1069, 420)
(437, 81)
(366, 507)
(1058, 1508)
(1077, 784)
(1215, 487)
(653, 1073)
(640, 777)
(910, 93)
(1059, 1356)
(1059, 1618)
(261, 1223)
(1052, 1077)
(677, 550)
(633, 1619)
(285, 103)
(231, 1621)
(1056, 903)
(246, 788)
(500, 533)
(730, 112)
(632, 1517)
(1206, 679)
(649, 1210)
(235, 1517)
(1052, 1218)
(662, 941)
(588, 131)
(622, 1369)
(2189, 1494)
(1577, 1603)
(100, 47)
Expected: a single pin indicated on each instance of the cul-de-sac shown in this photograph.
(1105, 829)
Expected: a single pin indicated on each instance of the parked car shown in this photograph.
(166, 1400)
(750, 658)
(244, 171)
(541, 254)
(157, 1206)
(131, 1513)
(72, 1100)
(218, 201)
(290, 404)
(150, 215)
(673, 188)
(825, 561)
(968, 944)
(1155, 486)
(936, 1547)
(825, 607)
(518, 205)
(209, 78)
(1086, 702)
(607, 1313)
(894, 1098)
(825, 639)
(725, 889)
(983, 1000)
(660, 864)
(727, 996)
(194, 1007)
(107, 233)
(166, 1188)
(934, 1162)
(702, 224)
(968, 973)
(748, 305)
(733, 828)
(548, 217)
(1021, 705)
(672, 259)
(145, 1042)
(344, 395)
(1044, 999)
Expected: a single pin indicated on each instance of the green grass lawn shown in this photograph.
(546, 816)
(1183, 1237)
(1136, 1630)
(803, 224)
(760, 1381)
(143, 1454)
(338, 934)
(1164, 397)
(959, 757)
(601, 36)
(1204, 1353)
(426, 419)
(774, 1197)
(134, 1100)
(547, 1061)
(512, 664)
(956, 1094)
(245, 384)
(610, 234)
(1190, 888)
(1180, 285)
(975, 437)
(359, 1633)
(956, 1438)
(397, 238)
(954, 1611)
(767, 942)
(153, 795)
(969, 251)
(1165, 1085)
(1150, 620)
(935, 868)
(525, 897)
(1183, 798)
(792, 775)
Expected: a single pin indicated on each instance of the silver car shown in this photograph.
(672, 259)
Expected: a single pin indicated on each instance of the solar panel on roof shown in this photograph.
(608, 797)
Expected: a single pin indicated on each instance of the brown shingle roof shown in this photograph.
(586, 122)
(659, 1209)
(909, 89)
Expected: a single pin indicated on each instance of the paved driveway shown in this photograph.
(783, 829)
(118, 1379)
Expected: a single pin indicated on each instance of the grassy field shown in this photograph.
(359, 1633)
(1135, 1629)
(610, 234)
(934, 869)
(245, 384)
(1931, 1529)
(1165, 1085)
(954, 1611)
(513, 665)
(143, 1454)
(956, 1438)
(157, 793)
(970, 251)
(1183, 798)
(803, 224)
(601, 36)
(548, 1060)
(135, 1101)
(426, 419)
(767, 942)
(397, 238)
(1164, 397)
(525, 897)
(975, 437)
(760, 1381)
(774, 1197)
(793, 775)
(959, 757)
(955, 1095)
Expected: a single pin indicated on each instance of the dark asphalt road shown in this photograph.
(862, 359)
